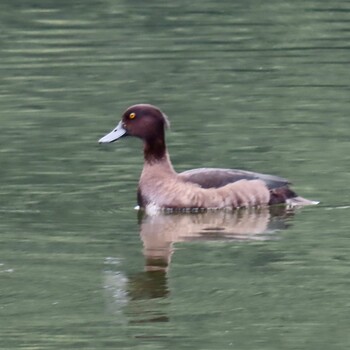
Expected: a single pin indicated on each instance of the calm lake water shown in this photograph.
(256, 85)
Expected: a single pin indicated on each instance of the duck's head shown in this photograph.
(144, 121)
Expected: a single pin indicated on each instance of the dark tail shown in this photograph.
(285, 195)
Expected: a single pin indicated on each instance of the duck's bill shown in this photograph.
(114, 135)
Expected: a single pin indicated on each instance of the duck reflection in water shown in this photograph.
(160, 233)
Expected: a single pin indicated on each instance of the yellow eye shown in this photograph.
(132, 115)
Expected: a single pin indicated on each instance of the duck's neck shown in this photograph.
(154, 149)
(155, 153)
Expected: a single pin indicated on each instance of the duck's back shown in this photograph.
(217, 177)
(280, 191)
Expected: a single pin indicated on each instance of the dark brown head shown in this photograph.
(146, 122)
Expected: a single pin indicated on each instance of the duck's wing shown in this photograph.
(214, 178)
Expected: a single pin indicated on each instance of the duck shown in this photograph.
(162, 188)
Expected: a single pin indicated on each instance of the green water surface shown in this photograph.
(256, 85)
